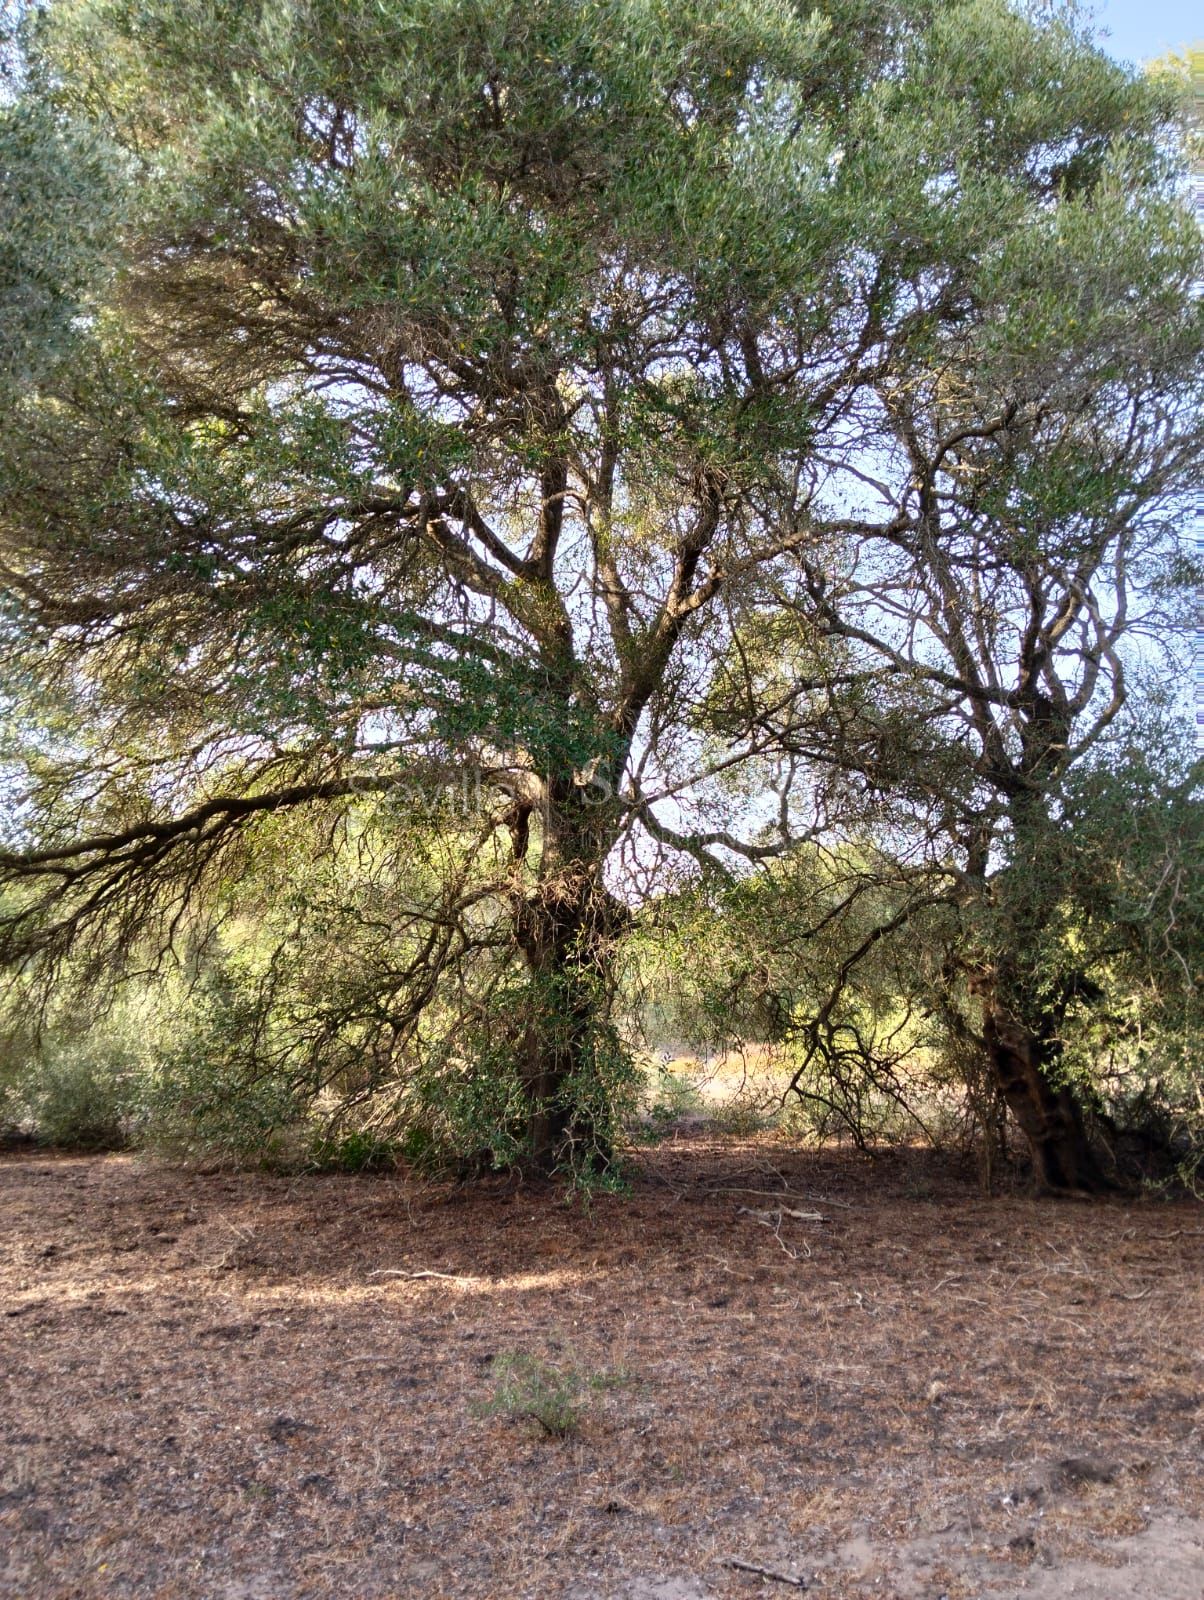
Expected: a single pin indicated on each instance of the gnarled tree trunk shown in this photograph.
(1022, 1058)
(564, 926)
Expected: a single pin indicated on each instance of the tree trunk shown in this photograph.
(565, 954)
(564, 927)
(1050, 1118)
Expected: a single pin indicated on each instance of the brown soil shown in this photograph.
(214, 1389)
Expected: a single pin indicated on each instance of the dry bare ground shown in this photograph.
(254, 1388)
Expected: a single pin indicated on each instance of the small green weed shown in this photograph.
(554, 1398)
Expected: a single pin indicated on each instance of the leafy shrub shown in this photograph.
(203, 1110)
(77, 1082)
(357, 1151)
(218, 1092)
(83, 1095)
(467, 1105)
(15, 1051)
(668, 1097)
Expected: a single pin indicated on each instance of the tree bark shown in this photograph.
(564, 928)
(1021, 1059)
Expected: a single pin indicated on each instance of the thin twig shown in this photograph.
(773, 1221)
(784, 1194)
(426, 1272)
(764, 1572)
(780, 1211)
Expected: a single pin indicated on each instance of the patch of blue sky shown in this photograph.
(1138, 30)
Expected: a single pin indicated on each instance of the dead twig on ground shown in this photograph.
(773, 1221)
(784, 1194)
(764, 1572)
(425, 1272)
(780, 1211)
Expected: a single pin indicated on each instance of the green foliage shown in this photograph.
(60, 197)
(82, 1095)
(551, 1396)
(669, 1096)
(473, 1097)
(293, 1037)
(470, 1107)
(874, 977)
(357, 1151)
(741, 1119)
(530, 1390)
(16, 1050)
(74, 1082)
(215, 1094)
(707, 426)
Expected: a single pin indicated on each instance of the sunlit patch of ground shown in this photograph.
(861, 1374)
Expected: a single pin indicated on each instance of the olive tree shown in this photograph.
(460, 380)
(1022, 608)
